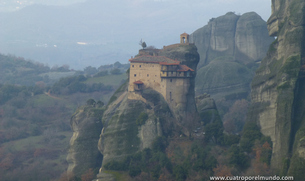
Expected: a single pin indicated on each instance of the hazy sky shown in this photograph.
(208, 7)
(115, 23)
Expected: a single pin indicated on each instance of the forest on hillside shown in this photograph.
(36, 104)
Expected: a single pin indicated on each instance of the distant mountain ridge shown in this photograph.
(90, 33)
(16, 70)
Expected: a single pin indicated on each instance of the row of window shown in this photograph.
(147, 75)
(139, 66)
(135, 75)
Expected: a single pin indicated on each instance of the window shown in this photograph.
(140, 66)
(135, 75)
(132, 65)
(147, 75)
(171, 80)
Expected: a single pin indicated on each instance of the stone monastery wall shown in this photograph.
(174, 90)
(148, 73)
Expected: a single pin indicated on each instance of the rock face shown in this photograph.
(83, 153)
(230, 47)
(278, 88)
(207, 108)
(123, 134)
(223, 77)
(245, 38)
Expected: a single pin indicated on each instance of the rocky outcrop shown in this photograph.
(230, 47)
(207, 109)
(278, 90)
(245, 38)
(83, 154)
(125, 131)
(131, 123)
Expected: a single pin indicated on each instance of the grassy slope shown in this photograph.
(113, 80)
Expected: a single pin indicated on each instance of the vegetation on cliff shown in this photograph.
(278, 88)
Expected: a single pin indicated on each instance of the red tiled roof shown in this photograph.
(165, 63)
(184, 34)
(184, 68)
(155, 59)
(138, 82)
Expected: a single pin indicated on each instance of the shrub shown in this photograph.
(230, 139)
(251, 132)
(134, 171)
(214, 132)
(142, 118)
(159, 144)
(91, 102)
(237, 158)
(180, 173)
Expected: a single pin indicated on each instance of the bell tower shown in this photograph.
(184, 38)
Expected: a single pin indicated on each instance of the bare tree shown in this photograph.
(143, 44)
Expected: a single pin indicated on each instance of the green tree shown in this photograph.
(134, 171)
(90, 70)
(142, 118)
(159, 144)
(115, 71)
(91, 102)
(100, 104)
(214, 131)
(143, 44)
(237, 158)
(250, 133)
(180, 173)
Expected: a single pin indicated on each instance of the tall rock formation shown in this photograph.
(278, 88)
(230, 47)
(135, 118)
(245, 38)
(83, 154)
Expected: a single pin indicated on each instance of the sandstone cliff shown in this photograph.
(230, 47)
(207, 109)
(278, 90)
(83, 154)
(245, 38)
(124, 132)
